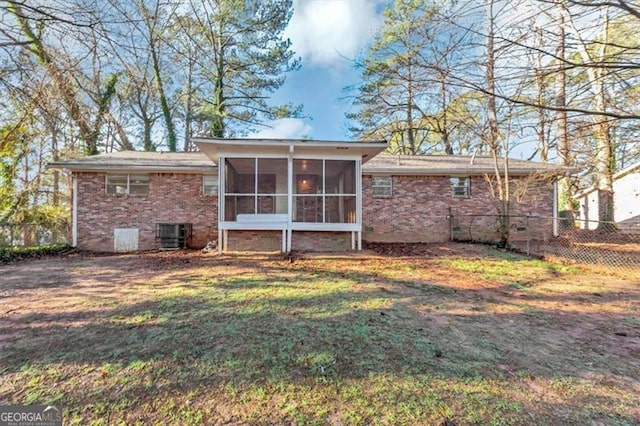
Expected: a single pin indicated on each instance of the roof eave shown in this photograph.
(453, 171)
(627, 170)
(129, 168)
(214, 147)
(287, 142)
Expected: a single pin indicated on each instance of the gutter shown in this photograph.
(290, 142)
(130, 168)
(453, 171)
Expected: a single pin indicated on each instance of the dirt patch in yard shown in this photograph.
(398, 335)
(426, 250)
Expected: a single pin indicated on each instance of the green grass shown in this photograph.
(510, 268)
(321, 341)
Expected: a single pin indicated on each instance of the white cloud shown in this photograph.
(284, 128)
(322, 32)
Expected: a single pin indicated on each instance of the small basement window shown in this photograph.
(210, 185)
(382, 186)
(128, 184)
(461, 186)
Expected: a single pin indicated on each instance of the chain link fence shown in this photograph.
(34, 234)
(580, 241)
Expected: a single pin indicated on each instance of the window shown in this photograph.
(210, 185)
(382, 186)
(128, 184)
(461, 186)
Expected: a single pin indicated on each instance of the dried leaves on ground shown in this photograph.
(457, 332)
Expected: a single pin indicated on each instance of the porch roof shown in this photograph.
(214, 147)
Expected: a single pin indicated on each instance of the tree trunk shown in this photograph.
(217, 121)
(188, 107)
(125, 143)
(541, 130)
(410, 135)
(494, 135)
(605, 168)
(164, 104)
(147, 125)
(62, 83)
(566, 201)
(604, 154)
(56, 179)
(446, 143)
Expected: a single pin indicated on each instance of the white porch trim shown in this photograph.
(220, 150)
(289, 198)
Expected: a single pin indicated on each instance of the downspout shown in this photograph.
(74, 211)
(555, 208)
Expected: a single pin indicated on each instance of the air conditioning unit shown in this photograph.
(173, 235)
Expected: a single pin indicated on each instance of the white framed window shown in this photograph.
(382, 186)
(210, 185)
(126, 184)
(461, 186)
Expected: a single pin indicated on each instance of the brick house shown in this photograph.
(283, 195)
(626, 202)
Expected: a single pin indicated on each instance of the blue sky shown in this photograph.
(326, 34)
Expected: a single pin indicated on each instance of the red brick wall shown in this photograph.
(172, 198)
(254, 241)
(300, 241)
(320, 241)
(417, 211)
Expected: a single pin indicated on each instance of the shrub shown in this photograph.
(12, 254)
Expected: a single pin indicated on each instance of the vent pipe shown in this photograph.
(473, 157)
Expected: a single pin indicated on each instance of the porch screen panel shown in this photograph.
(254, 186)
(240, 176)
(340, 196)
(308, 185)
(272, 185)
(240, 187)
(325, 191)
(340, 209)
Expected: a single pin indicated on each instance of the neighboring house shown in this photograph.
(626, 202)
(286, 195)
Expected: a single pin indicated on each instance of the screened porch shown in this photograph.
(289, 186)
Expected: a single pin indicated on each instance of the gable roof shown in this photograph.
(618, 175)
(453, 165)
(627, 170)
(140, 160)
(186, 162)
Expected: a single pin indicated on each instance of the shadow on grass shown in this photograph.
(326, 326)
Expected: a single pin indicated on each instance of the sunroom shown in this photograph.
(286, 189)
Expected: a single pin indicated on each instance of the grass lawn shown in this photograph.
(459, 333)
